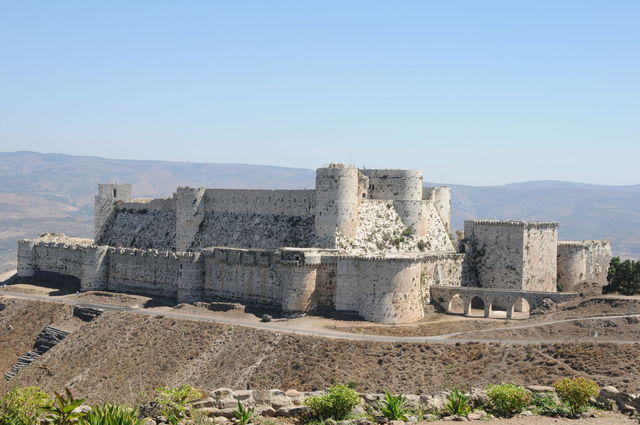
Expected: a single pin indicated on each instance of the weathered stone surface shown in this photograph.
(206, 402)
(220, 393)
(243, 395)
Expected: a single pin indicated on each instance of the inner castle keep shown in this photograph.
(374, 243)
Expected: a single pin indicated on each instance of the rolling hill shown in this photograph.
(54, 192)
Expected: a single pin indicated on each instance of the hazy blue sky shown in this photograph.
(475, 92)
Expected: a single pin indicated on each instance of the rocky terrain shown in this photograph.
(119, 354)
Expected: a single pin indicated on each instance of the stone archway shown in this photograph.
(477, 306)
(456, 305)
(520, 308)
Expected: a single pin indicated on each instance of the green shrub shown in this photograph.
(61, 411)
(623, 277)
(173, 401)
(112, 414)
(393, 407)
(508, 399)
(22, 406)
(242, 414)
(548, 405)
(576, 392)
(458, 403)
(336, 404)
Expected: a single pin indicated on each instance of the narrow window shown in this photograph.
(114, 193)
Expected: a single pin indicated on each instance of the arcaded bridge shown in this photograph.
(509, 300)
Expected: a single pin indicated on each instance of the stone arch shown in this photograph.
(456, 304)
(520, 308)
(476, 303)
(500, 306)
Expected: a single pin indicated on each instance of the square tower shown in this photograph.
(512, 254)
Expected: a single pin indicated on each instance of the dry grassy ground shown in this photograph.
(120, 354)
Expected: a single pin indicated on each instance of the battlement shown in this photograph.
(583, 244)
(516, 223)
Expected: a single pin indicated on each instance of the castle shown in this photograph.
(374, 243)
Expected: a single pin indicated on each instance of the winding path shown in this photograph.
(288, 327)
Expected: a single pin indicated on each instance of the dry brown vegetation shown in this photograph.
(120, 354)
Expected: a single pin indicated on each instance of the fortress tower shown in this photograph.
(336, 203)
(108, 195)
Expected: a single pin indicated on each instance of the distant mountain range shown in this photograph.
(54, 192)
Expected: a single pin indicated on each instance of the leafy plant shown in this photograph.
(508, 399)
(576, 392)
(393, 407)
(173, 401)
(336, 404)
(22, 406)
(458, 403)
(61, 412)
(623, 277)
(548, 405)
(112, 414)
(242, 414)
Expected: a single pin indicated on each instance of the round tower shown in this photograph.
(336, 206)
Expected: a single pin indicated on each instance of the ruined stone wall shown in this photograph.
(142, 224)
(583, 262)
(397, 185)
(381, 290)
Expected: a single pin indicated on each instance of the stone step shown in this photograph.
(46, 339)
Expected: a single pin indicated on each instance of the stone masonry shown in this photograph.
(365, 242)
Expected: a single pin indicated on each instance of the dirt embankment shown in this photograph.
(582, 307)
(120, 354)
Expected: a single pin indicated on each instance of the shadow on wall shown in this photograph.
(64, 284)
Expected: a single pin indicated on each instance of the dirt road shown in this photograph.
(308, 329)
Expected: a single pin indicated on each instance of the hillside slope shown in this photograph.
(54, 192)
(120, 354)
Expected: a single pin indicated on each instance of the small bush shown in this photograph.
(23, 406)
(336, 404)
(112, 414)
(393, 407)
(173, 401)
(458, 403)
(548, 405)
(243, 414)
(508, 399)
(576, 392)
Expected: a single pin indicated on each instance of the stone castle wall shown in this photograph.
(511, 254)
(582, 263)
(142, 224)
(540, 257)
(380, 290)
